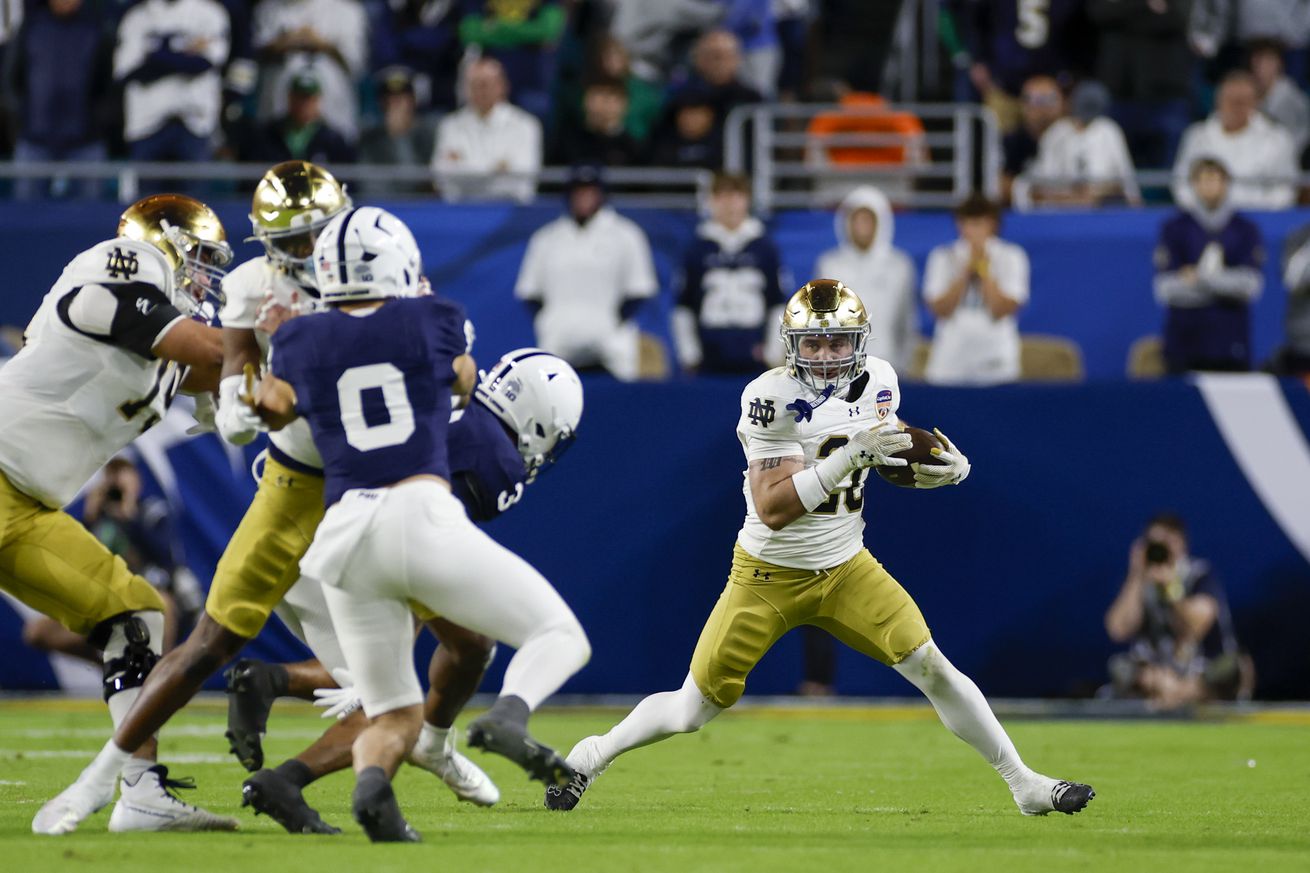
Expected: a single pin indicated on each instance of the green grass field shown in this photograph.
(759, 790)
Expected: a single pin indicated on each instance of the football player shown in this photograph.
(810, 430)
(116, 337)
(523, 414)
(374, 376)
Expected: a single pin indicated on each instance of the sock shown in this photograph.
(658, 717)
(431, 741)
(964, 711)
(371, 786)
(295, 772)
(511, 708)
(106, 767)
(121, 704)
(544, 662)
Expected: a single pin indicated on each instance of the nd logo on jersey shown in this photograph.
(761, 414)
(122, 266)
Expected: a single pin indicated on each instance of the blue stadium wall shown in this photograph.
(1013, 570)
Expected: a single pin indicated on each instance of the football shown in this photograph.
(919, 453)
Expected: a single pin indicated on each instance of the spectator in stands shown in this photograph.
(754, 24)
(884, 276)
(649, 31)
(601, 138)
(521, 35)
(168, 59)
(403, 137)
(1208, 270)
(1083, 159)
(330, 37)
(1280, 98)
(716, 63)
(422, 36)
(974, 287)
(869, 114)
(1257, 153)
(1007, 47)
(584, 276)
(645, 99)
(60, 109)
(689, 135)
(1293, 356)
(303, 133)
(489, 149)
(1173, 612)
(1041, 104)
(1143, 58)
(731, 288)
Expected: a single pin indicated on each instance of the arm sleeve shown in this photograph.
(937, 274)
(686, 337)
(1240, 283)
(767, 427)
(449, 335)
(530, 284)
(133, 316)
(639, 271)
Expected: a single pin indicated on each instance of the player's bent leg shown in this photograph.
(454, 673)
(964, 711)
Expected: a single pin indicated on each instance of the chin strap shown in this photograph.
(804, 409)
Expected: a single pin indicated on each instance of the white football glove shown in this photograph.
(204, 415)
(954, 471)
(338, 702)
(235, 420)
(874, 447)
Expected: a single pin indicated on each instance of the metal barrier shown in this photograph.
(960, 145)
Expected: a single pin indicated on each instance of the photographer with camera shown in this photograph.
(1173, 610)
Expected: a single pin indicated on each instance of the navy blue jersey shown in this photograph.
(488, 473)
(375, 389)
(1218, 334)
(731, 282)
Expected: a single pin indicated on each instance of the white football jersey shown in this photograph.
(244, 290)
(833, 532)
(87, 383)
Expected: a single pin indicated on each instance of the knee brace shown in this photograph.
(131, 648)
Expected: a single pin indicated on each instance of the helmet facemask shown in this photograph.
(829, 373)
(201, 266)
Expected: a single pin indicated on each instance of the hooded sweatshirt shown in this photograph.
(882, 276)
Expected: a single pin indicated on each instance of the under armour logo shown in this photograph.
(761, 413)
(853, 411)
(122, 266)
(765, 576)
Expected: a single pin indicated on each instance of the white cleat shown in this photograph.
(1041, 795)
(587, 764)
(74, 804)
(461, 775)
(150, 805)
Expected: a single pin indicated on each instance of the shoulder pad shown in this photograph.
(120, 261)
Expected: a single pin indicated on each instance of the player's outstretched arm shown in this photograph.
(197, 346)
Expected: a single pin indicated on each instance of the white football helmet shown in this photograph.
(366, 254)
(539, 397)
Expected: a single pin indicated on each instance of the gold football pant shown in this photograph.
(858, 602)
(56, 566)
(262, 561)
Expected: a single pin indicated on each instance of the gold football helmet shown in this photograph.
(825, 308)
(192, 240)
(292, 203)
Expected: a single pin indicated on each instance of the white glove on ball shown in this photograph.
(954, 471)
(235, 420)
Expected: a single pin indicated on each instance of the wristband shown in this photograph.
(809, 488)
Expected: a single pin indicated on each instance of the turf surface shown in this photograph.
(758, 790)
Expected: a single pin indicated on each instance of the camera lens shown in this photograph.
(1157, 553)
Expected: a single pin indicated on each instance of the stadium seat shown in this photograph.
(652, 358)
(1046, 358)
(1146, 358)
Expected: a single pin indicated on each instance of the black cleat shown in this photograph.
(511, 740)
(275, 796)
(563, 798)
(376, 810)
(252, 686)
(1071, 797)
